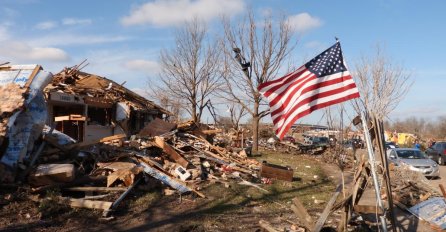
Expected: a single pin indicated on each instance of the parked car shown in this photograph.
(391, 145)
(320, 141)
(415, 159)
(437, 152)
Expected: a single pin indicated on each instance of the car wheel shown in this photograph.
(440, 160)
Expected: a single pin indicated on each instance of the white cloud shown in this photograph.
(75, 21)
(20, 51)
(175, 12)
(75, 39)
(303, 22)
(46, 25)
(146, 66)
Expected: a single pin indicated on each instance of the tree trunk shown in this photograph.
(255, 133)
(194, 114)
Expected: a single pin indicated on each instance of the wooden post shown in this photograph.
(380, 136)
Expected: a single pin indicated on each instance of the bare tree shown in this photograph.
(382, 85)
(266, 45)
(237, 112)
(190, 71)
(171, 104)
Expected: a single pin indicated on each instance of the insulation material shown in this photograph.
(26, 118)
(27, 128)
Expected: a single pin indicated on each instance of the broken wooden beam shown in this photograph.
(83, 203)
(171, 152)
(302, 213)
(327, 210)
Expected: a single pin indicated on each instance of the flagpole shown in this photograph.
(373, 171)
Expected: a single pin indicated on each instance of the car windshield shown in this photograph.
(411, 154)
(321, 139)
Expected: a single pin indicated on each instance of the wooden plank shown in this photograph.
(91, 204)
(302, 213)
(31, 78)
(96, 189)
(171, 152)
(72, 117)
(327, 210)
(113, 137)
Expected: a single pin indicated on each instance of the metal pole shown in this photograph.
(373, 170)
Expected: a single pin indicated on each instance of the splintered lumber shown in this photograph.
(96, 189)
(171, 152)
(91, 204)
(327, 210)
(266, 226)
(302, 213)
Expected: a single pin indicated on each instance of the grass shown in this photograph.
(145, 200)
(222, 203)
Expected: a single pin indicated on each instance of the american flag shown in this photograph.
(321, 82)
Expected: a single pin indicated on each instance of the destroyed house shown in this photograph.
(88, 107)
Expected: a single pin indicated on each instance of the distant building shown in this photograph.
(302, 128)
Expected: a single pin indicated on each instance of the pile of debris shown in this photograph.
(179, 159)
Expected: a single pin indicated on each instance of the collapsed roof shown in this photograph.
(73, 81)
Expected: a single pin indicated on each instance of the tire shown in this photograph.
(440, 160)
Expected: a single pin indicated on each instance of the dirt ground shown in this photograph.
(227, 207)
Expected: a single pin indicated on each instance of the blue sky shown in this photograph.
(122, 39)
